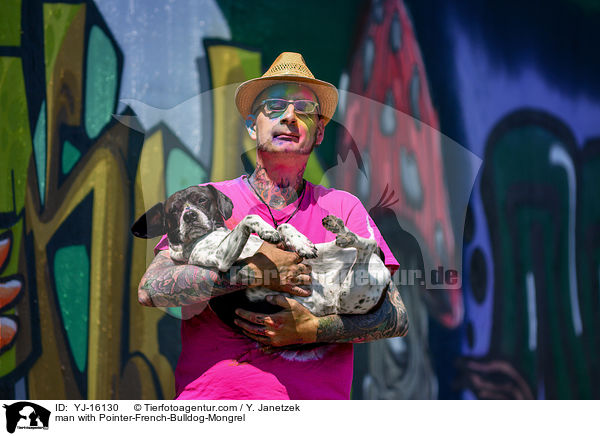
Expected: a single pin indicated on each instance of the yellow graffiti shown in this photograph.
(143, 333)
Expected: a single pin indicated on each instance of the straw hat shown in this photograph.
(288, 67)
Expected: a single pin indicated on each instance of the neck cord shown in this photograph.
(275, 223)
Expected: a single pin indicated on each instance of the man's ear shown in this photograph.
(320, 133)
(251, 126)
(224, 203)
(151, 224)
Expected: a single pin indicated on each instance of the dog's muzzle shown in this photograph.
(190, 216)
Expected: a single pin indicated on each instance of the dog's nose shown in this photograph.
(189, 216)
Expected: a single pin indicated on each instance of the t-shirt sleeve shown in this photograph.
(359, 221)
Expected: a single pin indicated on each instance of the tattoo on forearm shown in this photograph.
(389, 321)
(167, 284)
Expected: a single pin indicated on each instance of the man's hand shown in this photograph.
(293, 325)
(296, 325)
(280, 271)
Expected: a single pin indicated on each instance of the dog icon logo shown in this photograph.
(26, 415)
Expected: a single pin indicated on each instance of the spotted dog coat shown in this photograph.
(348, 276)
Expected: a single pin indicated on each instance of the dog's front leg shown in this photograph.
(230, 248)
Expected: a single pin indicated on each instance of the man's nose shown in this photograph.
(289, 116)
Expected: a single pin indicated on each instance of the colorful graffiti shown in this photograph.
(104, 123)
(71, 324)
(530, 264)
(67, 192)
(71, 328)
(540, 306)
(400, 147)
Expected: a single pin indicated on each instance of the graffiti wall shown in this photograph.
(523, 96)
(91, 142)
(114, 106)
(399, 145)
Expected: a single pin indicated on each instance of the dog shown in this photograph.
(348, 274)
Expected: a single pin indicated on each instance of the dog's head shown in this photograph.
(186, 215)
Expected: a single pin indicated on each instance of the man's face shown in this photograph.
(290, 131)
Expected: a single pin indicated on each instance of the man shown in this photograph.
(286, 111)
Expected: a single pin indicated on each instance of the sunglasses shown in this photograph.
(275, 107)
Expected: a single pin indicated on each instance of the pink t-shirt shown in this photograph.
(217, 362)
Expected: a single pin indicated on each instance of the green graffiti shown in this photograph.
(529, 182)
(101, 82)
(15, 154)
(39, 147)
(588, 255)
(15, 135)
(250, 62)
(72, 276)
(182, 171)
(70, 156)
(10, 22)
(174, 311)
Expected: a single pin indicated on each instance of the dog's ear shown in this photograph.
(151, 224)
(224, 203)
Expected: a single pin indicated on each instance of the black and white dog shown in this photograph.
(348, 276)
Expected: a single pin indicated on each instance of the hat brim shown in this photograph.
(247, 92)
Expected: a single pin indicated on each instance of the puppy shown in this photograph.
(348, 276)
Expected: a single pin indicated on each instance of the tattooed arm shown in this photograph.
(170, 284)
(388, 321)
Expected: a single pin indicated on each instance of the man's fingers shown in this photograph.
(302, 279)
(249, 316)
(298, 291)
(262, 339)
(304, 268)
(251, 328)
(253, 317)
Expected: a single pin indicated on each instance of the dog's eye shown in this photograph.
(202, 200)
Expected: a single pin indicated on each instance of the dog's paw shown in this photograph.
(297, 242)
(301, 245)
(333, 224)
(271, 236)
(346, 240)
(307, 251)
